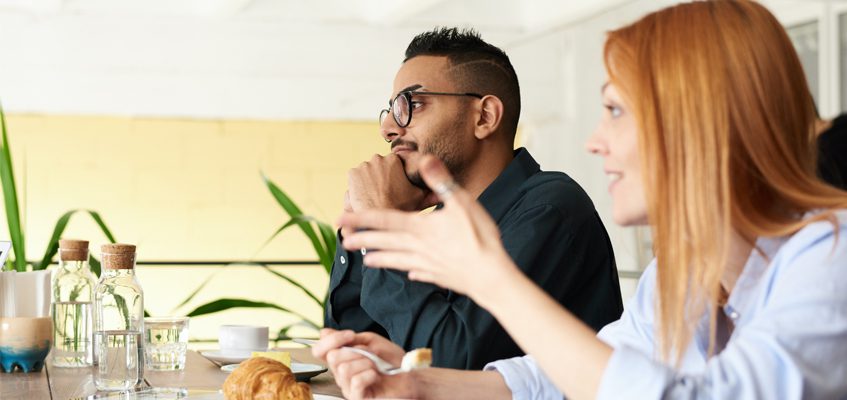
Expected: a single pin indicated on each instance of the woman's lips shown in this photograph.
(614, 178)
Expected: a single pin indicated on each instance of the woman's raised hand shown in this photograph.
(457, 247)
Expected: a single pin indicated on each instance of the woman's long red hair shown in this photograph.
(725, 123)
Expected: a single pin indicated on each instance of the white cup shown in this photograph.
(242, 338)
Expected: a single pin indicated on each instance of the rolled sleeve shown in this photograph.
(524, 379)
(632, 375)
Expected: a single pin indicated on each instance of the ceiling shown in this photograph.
(302, 59)
(525, 16)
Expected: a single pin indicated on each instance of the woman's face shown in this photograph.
(616, 140)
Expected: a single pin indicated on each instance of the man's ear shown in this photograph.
(490, 116)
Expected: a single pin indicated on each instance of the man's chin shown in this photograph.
(416, 179)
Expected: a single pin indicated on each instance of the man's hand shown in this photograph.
(381, 183)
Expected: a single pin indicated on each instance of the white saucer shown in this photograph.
(301, 371)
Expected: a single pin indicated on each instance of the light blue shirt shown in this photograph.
(789, 341)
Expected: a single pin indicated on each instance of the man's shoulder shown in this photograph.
(555, 193)
(554, 188)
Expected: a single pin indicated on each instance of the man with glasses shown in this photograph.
(457, 97)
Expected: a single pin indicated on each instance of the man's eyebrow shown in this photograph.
(410, 88)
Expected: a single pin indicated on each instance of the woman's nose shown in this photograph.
(595, 145)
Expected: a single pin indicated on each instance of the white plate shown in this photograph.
(230, 357)
(301, 371)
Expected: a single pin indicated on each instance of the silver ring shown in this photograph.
(444, 190)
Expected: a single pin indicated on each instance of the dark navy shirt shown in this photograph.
(551, 230)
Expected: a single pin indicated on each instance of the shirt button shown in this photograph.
(364, 251)
(343, 260)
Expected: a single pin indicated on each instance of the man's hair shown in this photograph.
(475, 66)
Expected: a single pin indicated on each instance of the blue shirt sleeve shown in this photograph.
(525, 379)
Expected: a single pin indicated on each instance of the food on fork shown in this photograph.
(266, 379)
(417, 358)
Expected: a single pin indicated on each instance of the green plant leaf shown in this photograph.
(284, 226)
(99, 220)
(10, 198)
(293, 211)
(53, 244)
(225, 304)
(94, 264)
(194, 293)
(293, 282)
(122, 307)
(328, 234)
(61, 224)
(295, 220)
(282, 334)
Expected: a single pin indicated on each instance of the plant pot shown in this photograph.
(24, 343)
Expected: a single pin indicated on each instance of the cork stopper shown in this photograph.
(118, 256)
(73, 250)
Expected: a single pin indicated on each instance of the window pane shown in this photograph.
(805, 39)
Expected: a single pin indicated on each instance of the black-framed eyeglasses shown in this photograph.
(401, 107)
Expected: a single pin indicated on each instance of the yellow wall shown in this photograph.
(190, 190)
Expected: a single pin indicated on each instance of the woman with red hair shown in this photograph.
(708, 138)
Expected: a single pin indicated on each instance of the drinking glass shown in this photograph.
(165, 342)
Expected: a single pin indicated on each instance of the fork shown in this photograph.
(384, 367)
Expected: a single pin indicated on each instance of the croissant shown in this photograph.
(261, 378)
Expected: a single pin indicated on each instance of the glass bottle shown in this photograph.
(73, 292)
(119, 321)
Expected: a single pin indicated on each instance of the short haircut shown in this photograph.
(476, 66)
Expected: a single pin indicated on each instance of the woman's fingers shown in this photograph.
(424, 276)
(361, 382)
(437, 177)
(381, 240)
(331, 339)
(346, 364)
(399, 260)
(348, 369)
(385, 220)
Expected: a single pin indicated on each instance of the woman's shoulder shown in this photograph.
(818, 248)
(830, 228)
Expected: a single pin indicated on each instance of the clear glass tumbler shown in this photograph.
(165, 342)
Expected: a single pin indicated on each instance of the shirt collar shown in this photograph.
(499, 196)
(740, 300)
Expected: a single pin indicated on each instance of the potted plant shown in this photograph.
(25, 340)
(322, 237)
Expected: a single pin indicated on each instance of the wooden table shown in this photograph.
(54, 383)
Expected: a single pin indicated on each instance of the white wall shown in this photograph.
(561, 75)
(259, 64)
(263, 65)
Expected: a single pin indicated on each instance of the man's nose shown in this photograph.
(389, 129)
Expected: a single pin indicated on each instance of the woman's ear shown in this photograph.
(490, 116)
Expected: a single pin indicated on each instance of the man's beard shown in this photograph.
(434, 148)
(414, 177)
